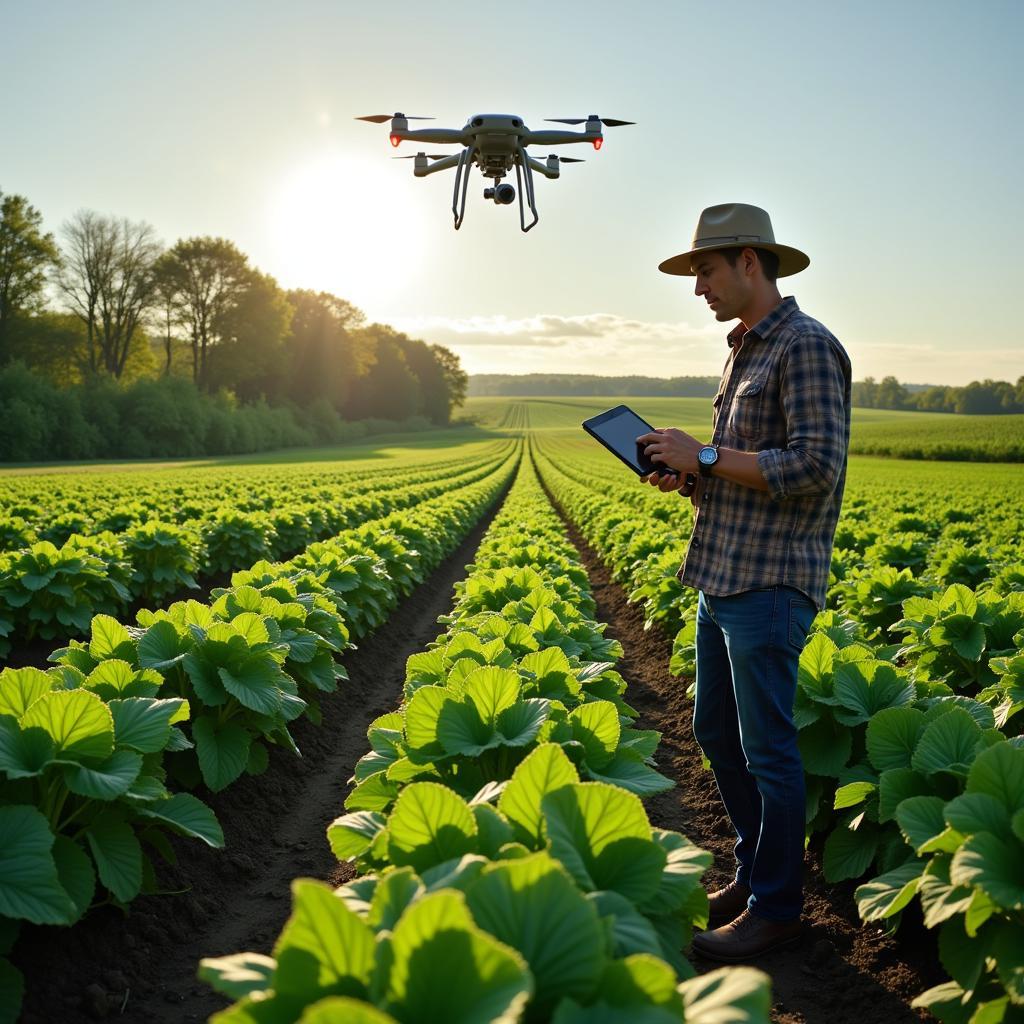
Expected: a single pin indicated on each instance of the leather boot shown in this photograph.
(727, 904)
(746, 937)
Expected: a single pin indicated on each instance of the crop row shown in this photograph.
(55, 506)
(907, 709)
(194, 693)
(52, 593)
(512, 872)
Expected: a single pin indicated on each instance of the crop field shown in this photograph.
(400, 733)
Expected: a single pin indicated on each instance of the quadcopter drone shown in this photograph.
(495, 143)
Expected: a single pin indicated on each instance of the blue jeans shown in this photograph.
(748, 651)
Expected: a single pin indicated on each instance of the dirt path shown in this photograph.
(841, 972)
(142, 968)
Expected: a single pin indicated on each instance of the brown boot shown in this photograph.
(746, 937)
(727, 904)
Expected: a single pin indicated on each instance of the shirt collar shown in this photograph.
(764, 327)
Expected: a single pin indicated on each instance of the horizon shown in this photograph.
(869, 156)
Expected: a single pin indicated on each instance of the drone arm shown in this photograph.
(440, 165)
(556, 138)
(541, 167)
(439, 136)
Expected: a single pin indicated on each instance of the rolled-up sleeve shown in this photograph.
(815, 396)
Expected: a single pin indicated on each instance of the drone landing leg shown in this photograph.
(523, 170)
(462, 176)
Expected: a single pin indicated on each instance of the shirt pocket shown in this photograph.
(747, 404)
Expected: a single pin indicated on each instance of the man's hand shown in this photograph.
(675, 449)
(689, 487)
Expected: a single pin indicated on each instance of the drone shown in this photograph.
(495, 143)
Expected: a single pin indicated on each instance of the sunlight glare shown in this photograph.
(346, 225)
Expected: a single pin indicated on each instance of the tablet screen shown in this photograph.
(617, 429)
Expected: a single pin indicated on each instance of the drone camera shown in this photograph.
(503, 195)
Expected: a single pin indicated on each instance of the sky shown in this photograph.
(884, 139)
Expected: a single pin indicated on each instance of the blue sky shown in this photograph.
(883, 138)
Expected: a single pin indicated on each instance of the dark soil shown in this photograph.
(142, 966)
(841, 971)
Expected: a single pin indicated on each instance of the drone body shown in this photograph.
(496, 143)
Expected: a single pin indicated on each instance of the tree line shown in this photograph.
(528, 384)
(110, 303)
(980, 397)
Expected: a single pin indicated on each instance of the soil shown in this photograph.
(141, 967)
(840, 971)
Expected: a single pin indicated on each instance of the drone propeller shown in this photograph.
(568, 159)
(608, 122)
(429, 156)
(381, 118)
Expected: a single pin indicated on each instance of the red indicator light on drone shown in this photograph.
(395, 139)
(598, 141)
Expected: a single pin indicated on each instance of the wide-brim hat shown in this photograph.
(735, 224)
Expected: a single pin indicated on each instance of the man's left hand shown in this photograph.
(672, 448)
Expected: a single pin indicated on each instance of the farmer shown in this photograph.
(767, 492)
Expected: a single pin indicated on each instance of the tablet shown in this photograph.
(617, 429)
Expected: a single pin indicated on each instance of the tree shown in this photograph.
(26, 254)
(455, 377)
(107, 277)
(208, 277)
(251, 358)
(389, 388)
(891, 394)
(325, 352)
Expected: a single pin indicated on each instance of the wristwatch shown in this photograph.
(706, 458)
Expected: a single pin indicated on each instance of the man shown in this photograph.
(767, 496)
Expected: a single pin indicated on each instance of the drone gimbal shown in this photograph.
(495, 143)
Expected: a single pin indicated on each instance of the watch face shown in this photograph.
(708, 456)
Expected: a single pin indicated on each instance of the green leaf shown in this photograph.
(188, 816)
(238, 976)
(335, 1009)
(630, 773)
(109, 639)
(729, 995)
(144, 723)
(863, 688)
(24, 752)
(29, 884)
(118, 855)
(640, 981)
(948, 744)
(894, 786)
(889, 893)
(629, 929)
(107, 781)
(920, 820)
(324, 948)
(999, 772)
(446, 969)
(161, 646)
(853, 793)
(74, 868)
(994, 867)
(892, 737)
(79, 723)
(603, 837)
(596, 726)
(22, 687)
(392, 895)
(825, 746)
(534, 906)
(254, 685)
(978, 812)
(222, 749)
(351, 835)
(849, 854)
(429, 824)
(543, 771)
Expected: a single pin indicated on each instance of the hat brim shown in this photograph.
(791, 261)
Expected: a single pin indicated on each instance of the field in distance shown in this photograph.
(907, 435)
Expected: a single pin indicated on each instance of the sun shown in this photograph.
(344, 224)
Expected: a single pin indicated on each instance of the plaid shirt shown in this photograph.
(785, 394)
